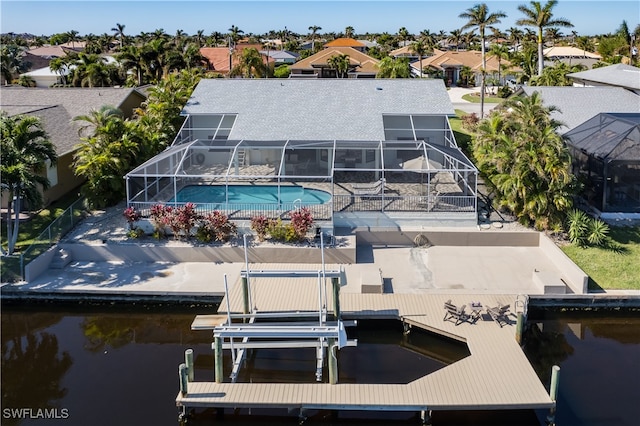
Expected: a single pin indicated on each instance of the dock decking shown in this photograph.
(496, 376)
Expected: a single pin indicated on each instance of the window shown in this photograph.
(52, 173)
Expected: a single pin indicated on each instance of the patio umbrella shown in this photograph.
(421, 165)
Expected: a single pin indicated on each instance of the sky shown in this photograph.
(48, 17)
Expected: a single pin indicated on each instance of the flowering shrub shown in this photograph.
(260, 224)
(183, 219)
(132, 216)
(216, 226)
(160, 217)
(302, 221)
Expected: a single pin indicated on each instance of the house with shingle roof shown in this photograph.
(575, 105)
(56, 108)
(594, 117)
(618, 75)
(570, 55)
(317, 65)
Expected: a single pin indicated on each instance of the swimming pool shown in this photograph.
(250, 194)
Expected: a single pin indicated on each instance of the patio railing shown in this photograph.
(245, 211)
(428, 203)
(13, 266)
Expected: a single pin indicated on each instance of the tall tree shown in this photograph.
(11, 62)
(119, 33)
(250, 64)
(526, 162)
(341, 63)
(235, 33)
(349, 31)
(25, 147)
(420, 49)
(541, 17)
(480, 18)
(394, 68)
(72, 37)
(314, 31)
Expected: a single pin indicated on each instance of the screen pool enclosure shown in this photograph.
(245, 178)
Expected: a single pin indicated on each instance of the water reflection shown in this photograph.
(598, 354)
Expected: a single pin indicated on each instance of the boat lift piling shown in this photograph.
(325, 336)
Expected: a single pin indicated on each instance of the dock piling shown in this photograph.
(217, 341)
(520, 328)
(425, 417)
(553, 393)
(245, 295)
(182, 373)
(335, 283)
(333, 362)
(188, 359)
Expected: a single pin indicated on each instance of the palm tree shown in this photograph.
(72, 36)
(540, 17)
(341, 64)
(199, 38)
(403, 35)
(455, 37)
(515, 37)
(420, 49)
(11, 62)
(479, 17)
(234, 33)
(394, 68)
(130, 58)
(500, 52)
(250, 63)
(314, 30)
(91, 71)
(119, 32)
(349, 32)
(525, 160)
(25, 148)
(60, 67)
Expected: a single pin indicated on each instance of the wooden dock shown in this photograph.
(496, 376)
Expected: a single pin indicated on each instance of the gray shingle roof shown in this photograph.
(57, 107)
(620, 75)
(348, 109)
(578, 104)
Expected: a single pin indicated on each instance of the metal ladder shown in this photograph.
(522, 304)
(241, 157)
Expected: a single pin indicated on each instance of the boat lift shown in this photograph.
(304, 332)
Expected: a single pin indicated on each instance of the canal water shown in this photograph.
(99, 366)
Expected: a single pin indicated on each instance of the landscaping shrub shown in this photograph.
(470, 121)
(216, 226)
(159, 217)
(183, 219)
(302, 221)
(584, 230)
(260, 224)
(132, 216)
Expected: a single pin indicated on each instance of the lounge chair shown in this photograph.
(368, 185)
(454, 312)
(373, 189)
(499, 314)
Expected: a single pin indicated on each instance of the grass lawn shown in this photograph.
(475, 98)
(29, 230)
(611, 269)
(462, 137)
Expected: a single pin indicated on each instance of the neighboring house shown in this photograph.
(222, 59)
(279, 57)
(570, 56)
(578, 104)
(56, 108)
(606, 157)
(601, 124)
(619, 75)
(317, 65)
(364, 152)
(51, 52)
(346, 42)
(451, 62)
(44, 77)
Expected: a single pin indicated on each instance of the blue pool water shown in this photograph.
(250, 194)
